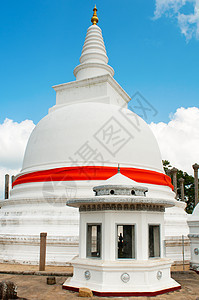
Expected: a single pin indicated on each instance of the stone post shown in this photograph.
(169, 172)
(196, 167)
(181, 180)
(42, 261)
(174, 172)
(6, 186)
(12, 179)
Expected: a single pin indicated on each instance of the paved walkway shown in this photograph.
(18, 269)
(59, 269)
(34, 287)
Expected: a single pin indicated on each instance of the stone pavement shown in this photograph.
(18, 269)
(34, 287)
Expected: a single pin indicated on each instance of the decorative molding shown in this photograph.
(125, 277)
(120, 206)
(120, 190)
(87, 275)
(121, 200)
(193, 236)
(159, 275)
(35, 240)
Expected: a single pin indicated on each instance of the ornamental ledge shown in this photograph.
(93, 65)
(35, 240)
(121, 200)
(54, 201)
(91, 81)
(93, 264)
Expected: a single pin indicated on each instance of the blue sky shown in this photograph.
(153, 46)
(41, 42)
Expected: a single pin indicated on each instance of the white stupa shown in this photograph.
(72, 149)
(193, 222)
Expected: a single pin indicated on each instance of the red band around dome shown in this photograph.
(93, 173)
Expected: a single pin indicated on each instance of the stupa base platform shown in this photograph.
(122, 278)
(126, 294)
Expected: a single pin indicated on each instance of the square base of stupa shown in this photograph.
(122, 278)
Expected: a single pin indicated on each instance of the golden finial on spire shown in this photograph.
(94, 18)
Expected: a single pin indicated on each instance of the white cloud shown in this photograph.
(188, 23)
(179, 139)
(164, 6)
(13, 140)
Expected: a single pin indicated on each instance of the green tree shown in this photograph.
(188, 186)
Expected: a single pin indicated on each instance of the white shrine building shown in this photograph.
(121, 249)
(75, 147)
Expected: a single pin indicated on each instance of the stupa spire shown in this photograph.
(94, 18)
(93, 60)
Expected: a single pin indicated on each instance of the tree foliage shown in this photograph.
(188, 186)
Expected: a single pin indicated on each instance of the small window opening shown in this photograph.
(126, 241)
(112, 192)
(154, 240)
(94, 240)
(132, 192)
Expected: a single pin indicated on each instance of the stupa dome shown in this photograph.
(59, 137)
